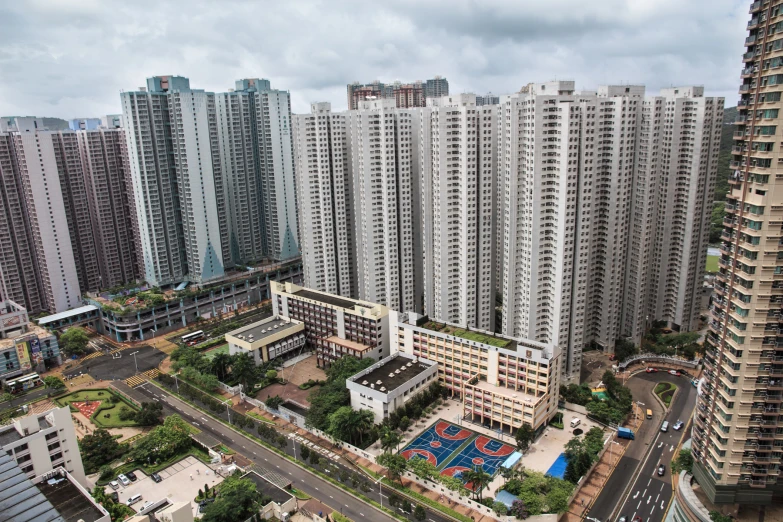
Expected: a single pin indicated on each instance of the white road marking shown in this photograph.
(649, 499)
(672, 448)
(639, 505)
(661, 504)
(662, 485)
(656, 498)
(645, 492)
(637, 495)
(634, 515)
(660, 445)
(266, 459)
(330, 496)
(651, 511)
(362, 514)
(648, 482)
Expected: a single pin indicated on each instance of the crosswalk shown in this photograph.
(118, 350)
(138, 380)
(92, 356)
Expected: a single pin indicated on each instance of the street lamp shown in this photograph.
(134, 360)
(380, 492)
(228, 412)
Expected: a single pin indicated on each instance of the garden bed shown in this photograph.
(107, 414)
(665, 392)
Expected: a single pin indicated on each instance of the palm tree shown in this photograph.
(220, 363)
(243, 369)
(478, 479)
(390, 440)
(365, 419)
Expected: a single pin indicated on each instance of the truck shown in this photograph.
(625, 433)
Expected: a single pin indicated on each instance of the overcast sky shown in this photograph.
(71, 58)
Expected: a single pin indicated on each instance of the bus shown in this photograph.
(23, 384)
(193, 337)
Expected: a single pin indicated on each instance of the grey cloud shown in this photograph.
(72, 59)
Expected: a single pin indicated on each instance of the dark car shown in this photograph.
(156, 477)
(132, 476)
(661, 470)
(114, 496)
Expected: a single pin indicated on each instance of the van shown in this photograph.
(575, 422)
(135, 498)
(665, 426)
(649, 414)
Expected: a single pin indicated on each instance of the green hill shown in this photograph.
(53, 124)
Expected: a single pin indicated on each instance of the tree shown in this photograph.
(683, 462)
(478, 480)
(423, 468)
(390, 439)
(624, 349)
(304, 451)
(499, 508)
(74, 341)
(519, 510)
(405, 423)
(525, 435)
(271, 375)
(237, 500)
(243, 369)
(419, 514)
(163, 442)
(99, 448)
(54, 384)
(395, 465)
(221, 362)
(349, 425)
(716, 516)
(149, 414)
(274, 402)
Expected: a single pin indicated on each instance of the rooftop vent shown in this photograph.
(372, 386)
(365, 383)
(397, 371)
(409, 364)
(383, 389)
(391, 375)
(378, 381)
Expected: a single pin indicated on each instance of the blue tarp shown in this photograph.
(506, 498)
(558, 468)
(512, 460)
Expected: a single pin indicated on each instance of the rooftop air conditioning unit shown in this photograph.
(378, 381)
(391, 375)
(365, 383)
(372, 386)
(383, 389)
(409, 364)
(397, 371)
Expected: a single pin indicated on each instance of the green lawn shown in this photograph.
(712, 263)
(212, 353)
(478, 337)
(106, 408)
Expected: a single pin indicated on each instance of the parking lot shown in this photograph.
(181, 482)
(548, 447)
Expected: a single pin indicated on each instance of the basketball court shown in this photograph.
(454, 450)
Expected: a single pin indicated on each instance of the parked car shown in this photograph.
(652, 370)
(675, 372)
(678, 425)
(622, 518)
(637, 518)
(133, 499)
(695, 382)
(114, 484)
(156, 477)
(123, 480)
(131, 475)
(114, 496)
(661, 470)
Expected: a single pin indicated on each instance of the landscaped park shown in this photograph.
(103, 407)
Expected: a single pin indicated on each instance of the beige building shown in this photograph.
(334, 326)
(503, 382)
(268, 339)
(43, 442)
(738, 428)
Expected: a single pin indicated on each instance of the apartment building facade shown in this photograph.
(738, 427)
(43, 442)
(457, 173)
(503, 382)
(334, 326)
(325, 200)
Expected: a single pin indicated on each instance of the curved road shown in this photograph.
(649, 495)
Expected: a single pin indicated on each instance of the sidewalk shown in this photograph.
(354, 459)
(591, 486)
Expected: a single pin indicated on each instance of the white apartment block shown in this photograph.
(44, 183)
(458, 171)
(325, 200)
(42, 442)
(383, 153)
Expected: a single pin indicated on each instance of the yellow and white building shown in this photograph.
(503, 382)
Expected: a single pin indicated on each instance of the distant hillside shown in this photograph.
(54, 124)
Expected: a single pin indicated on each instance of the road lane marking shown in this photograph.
(662, 485)
(639, 505)
(645, 492)
(637, 495)
(649, 499)
(661, 504)
(651, 511)
(656, 498)
(660, 445)
(648, 482)
(672, 448)
(330, 496)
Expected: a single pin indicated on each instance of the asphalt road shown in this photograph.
(303, 480)
(120, 366)
(17, 400)
(650, 494)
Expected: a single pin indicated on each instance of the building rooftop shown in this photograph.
(41, 333)
(529, 398)
(388, 375)
(20, 500)
(70, 501)
(326, 298)
(66, 314)
(268, 489)
(353, 345)
(471, 335)
(265, 328)
(9, 435)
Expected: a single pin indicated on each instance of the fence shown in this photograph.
(127, 398)
(658, 358)
(233, 390)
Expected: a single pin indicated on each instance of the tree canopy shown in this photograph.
(237, 499)
(99, 448)
(163, 442)
(74, 341)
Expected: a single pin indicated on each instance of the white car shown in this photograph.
(125, 480)
(114, 484)
(678, 425)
